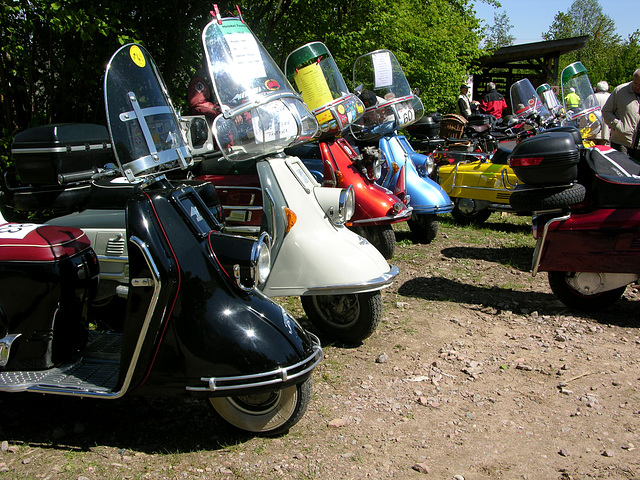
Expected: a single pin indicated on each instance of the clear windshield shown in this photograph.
(143, 125)
(314, 74)
(261, 114)
(580, 103)
(525, 101)
(390, 103)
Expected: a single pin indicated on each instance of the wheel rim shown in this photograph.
(341, 311)
(259, 413)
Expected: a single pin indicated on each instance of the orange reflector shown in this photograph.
(395, 167)
(291, 218)
(339, 178)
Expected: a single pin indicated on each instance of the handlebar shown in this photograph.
(85, 175)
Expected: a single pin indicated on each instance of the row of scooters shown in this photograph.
(170, 235)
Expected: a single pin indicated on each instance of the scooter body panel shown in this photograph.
(426, 196)
(604, 240)
(478, 180)
(304, 263)
(375, 205)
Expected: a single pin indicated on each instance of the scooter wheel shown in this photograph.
(380, 236)
(547, 198)
(476, 217)
(572, 298)
(267, 414)
(348, 318)
(424, 227)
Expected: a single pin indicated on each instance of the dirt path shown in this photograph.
(476, 372)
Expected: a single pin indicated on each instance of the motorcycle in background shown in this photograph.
(586, 217)
(390, 106)
(481, 183)
(194, 323)
(333, 160)
(338, 274)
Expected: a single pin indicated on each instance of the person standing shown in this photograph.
(463, 107)
(493, 102)
(621, 113)
(572, 100)
(602, 93)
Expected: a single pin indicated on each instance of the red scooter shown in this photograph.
(333, 160)
(586, 216)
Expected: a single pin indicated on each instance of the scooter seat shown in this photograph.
(39, 243)
(615, 178)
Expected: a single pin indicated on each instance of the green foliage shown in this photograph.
(498, 33)
(603, 53)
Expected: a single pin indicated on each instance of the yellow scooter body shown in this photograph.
(478, 180)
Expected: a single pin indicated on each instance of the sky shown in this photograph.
(531, 19)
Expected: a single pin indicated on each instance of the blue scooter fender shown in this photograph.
(425, 195)
(211, 336)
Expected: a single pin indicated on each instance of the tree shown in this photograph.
(498, 34)
(586, 17)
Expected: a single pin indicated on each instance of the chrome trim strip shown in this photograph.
(273, 377)
(75, 148)
(379, 283)
(136, 353)
(233, 187)
(383, 219)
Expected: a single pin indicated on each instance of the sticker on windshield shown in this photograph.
(137, 56)
(246, 54)
(383, 70)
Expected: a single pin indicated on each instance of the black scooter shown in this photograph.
(194, 323)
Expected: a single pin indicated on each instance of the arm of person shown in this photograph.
(608, 112)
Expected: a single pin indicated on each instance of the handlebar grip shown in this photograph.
(66, 178)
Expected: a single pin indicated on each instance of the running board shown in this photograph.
(94, 373)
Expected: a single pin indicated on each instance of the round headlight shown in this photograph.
(428, 165)
(347, 205)
(262, 260)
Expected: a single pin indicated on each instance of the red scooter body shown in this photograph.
(375, 205)
(586, 219)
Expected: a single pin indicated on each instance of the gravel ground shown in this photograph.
(476, 372)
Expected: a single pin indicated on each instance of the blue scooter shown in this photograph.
(390, 106)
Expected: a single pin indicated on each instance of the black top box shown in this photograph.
(549, 158)
(41, 153)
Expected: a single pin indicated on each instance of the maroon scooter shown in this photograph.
(586, 216)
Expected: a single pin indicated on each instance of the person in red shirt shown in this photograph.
(493, 102)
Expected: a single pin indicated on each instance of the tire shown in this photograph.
(477, 217)
(8, 213)
(348, 318)
(267, 414)
(380, 236)
(547, 198)
(575, 300)
(424, 227)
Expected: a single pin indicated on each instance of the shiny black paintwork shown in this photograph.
(205, 325)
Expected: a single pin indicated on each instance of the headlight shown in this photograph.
(347, 204)
(377, 169)
(338, 204)
(428, 165)
(261, 259)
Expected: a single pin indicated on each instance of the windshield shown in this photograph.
(143, 125)
(386, 94)
(261, 114)
(525, 101)
(315, 75)
(580, 103)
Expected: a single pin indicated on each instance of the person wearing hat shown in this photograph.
(602, 93)
(463, 107)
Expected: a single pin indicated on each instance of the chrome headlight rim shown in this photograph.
(261, 259)
(429, 164)
(346, 204)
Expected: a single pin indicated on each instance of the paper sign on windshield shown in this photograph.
(311, 82)
(246, 54)
(383, 70)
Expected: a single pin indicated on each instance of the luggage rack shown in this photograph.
(95, 370)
